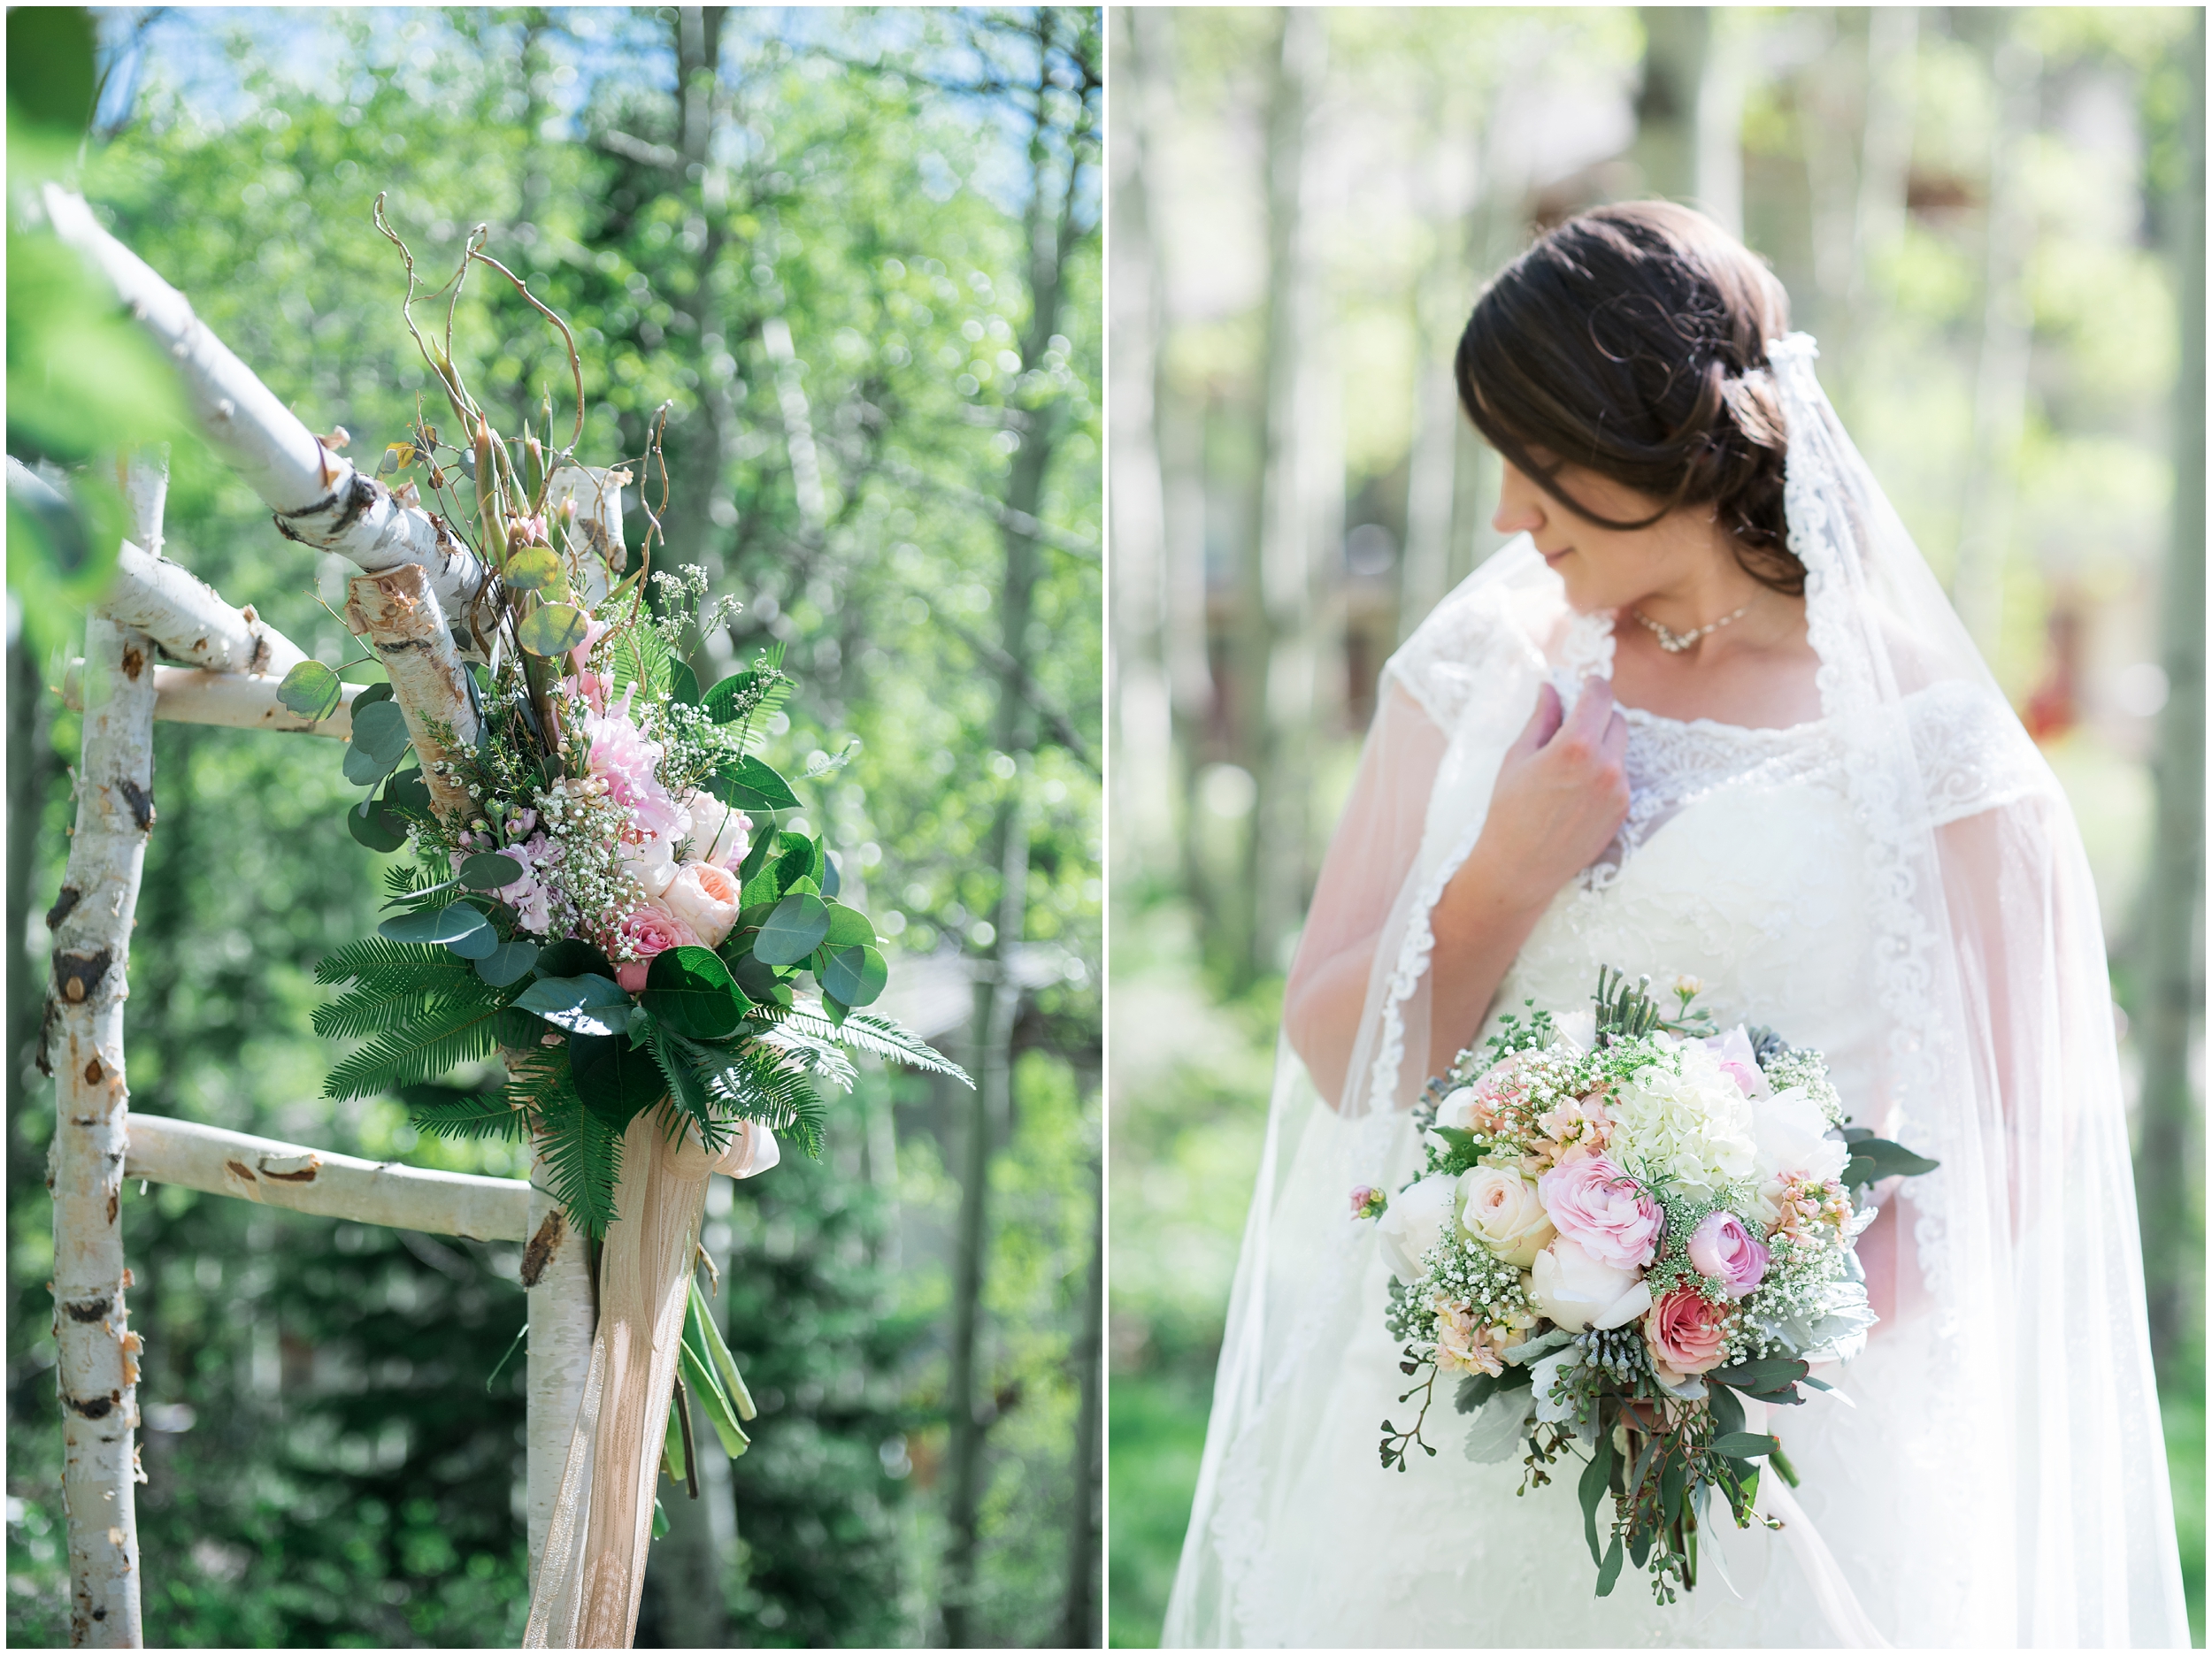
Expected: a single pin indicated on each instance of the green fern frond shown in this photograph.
(681, 1059)
(375, 961)
(759, 1082)
(880, 1037)
(580, 1155)
(458, 1112)
(823, 1059)
(449, 1032)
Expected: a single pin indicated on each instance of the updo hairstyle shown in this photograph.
(1630, 340)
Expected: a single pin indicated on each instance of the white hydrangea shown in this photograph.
(1685, 1118)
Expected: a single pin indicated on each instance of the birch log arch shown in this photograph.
(603, 897)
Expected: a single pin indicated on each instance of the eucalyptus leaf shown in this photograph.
(571, 956)
(373, 825)
(594, 1006)
(1742, 1445)
(407, 791)
(488, 870)
(534, 569)
(311, 690)
(363, 768)
(793, 931)
(380, 730)
(477, 945)
(854, 974)
(510, 962)
(445, 925)
(849, 927)
(553, 629)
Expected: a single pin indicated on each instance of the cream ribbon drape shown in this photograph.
(594, 1566)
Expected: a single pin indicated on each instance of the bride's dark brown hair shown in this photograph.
(1629, 341)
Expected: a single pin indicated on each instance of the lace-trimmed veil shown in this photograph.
(2034, 1449)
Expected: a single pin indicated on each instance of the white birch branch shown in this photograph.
(321, 1181)
(318, 496)
(398, 613)
(564, 1316)
(237, 701)
(190, 620)
(82, 1046)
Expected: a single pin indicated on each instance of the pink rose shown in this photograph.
(1596, 1205)
(646, 930)
(1687, 1334)
(1722, 1248)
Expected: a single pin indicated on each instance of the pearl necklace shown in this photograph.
(1673, 642)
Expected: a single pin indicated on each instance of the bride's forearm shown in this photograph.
(1479, 923)
(1322, 1004)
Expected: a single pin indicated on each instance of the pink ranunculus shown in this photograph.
(1687, 1334)
(621, 755)
(646, 930)
(1595, 1204)
(1722, 1248)
(581, 656)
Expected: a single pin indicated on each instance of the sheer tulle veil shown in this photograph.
(2026, 1476)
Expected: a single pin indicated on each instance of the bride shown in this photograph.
(1709, 713)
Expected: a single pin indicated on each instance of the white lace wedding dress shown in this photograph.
(1739, 863)
(1899, 884)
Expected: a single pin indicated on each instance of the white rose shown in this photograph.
(1792, 1135)
(1419, 1219)
(704, 897)
(718, 834)
(1578, 1291)
(1579, 1028)
(650, 863)
(1458, 1110)
(1500, 1208)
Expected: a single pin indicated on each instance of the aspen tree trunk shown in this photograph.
(1675, 43)
(1278, 848)
(2001, 380)
(1884, 172)
(82, 1048)
(1137, 691)
(2173, 895)
(1080, 1618)
(1052, 233)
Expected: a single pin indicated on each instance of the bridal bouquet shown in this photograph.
(1628, 1222)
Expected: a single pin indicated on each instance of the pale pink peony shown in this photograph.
(1739, 1062)
(1722, 1248)
(646, 930)
(1687, 1334)
(705, 897)
(1598, 1206)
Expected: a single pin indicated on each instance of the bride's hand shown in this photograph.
(1560, 795)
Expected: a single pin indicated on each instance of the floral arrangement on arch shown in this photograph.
(1628, 1226)
(606, 890)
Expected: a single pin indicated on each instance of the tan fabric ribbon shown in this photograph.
(594, 1566)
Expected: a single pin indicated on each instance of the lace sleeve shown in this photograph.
(1484, 625)
(1973, 754)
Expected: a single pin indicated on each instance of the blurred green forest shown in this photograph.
(857, 255)
(1985, 214)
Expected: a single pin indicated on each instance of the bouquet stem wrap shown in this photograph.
(594, 1567)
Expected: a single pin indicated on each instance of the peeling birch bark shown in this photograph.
(82, 1046)
(398, 613)
(318, 498)
(556, 1274)
(321, 1181)
(190, 621)
(237, 701)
